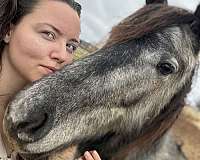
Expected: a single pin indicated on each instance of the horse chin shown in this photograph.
(28, 156)
(57, 153)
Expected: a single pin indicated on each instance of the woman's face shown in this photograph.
(44, 40)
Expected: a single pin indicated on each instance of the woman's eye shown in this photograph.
(71, 48)
(49, 35)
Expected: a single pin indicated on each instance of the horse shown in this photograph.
(121, 100)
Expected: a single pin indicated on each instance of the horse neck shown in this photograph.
(156, 132)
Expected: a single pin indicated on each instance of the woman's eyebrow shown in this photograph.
(52, 26)
(74, 40)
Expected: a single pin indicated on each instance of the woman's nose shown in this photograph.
(60, 55)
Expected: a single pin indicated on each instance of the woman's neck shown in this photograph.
(10, 80)
(10, 84)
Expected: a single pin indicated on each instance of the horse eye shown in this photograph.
(166, 68)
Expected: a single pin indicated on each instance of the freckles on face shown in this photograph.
(31, 44)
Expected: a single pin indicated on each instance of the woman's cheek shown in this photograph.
(37, 48)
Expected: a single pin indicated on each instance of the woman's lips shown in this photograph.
(49, 69)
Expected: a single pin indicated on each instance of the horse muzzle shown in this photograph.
(26, 127)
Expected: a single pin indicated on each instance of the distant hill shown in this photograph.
(84, 49)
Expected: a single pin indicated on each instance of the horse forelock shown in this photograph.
(148, 19)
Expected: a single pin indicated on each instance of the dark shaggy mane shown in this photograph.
(150, 18)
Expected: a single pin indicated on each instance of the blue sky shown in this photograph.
(98, 16)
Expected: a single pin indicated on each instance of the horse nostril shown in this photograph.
(31, 128)
(33, 124)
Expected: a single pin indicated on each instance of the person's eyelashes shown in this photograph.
(71, 47)
(49, 35)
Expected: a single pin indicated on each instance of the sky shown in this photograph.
(98, 16)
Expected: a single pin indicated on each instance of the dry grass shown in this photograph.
(187, 132)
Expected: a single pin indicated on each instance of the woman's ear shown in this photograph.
(7, 37)
(8, 34)
(156, 1)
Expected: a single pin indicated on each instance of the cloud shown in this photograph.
(98, 16)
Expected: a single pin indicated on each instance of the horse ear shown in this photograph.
(197, 12)
(156, 1)
(195, 26)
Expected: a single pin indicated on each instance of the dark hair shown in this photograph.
(149, 19)
(12, 11)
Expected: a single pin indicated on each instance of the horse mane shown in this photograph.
(150, 18)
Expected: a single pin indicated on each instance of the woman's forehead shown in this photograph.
(58, 14)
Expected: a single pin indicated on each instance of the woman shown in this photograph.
(37, 37)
